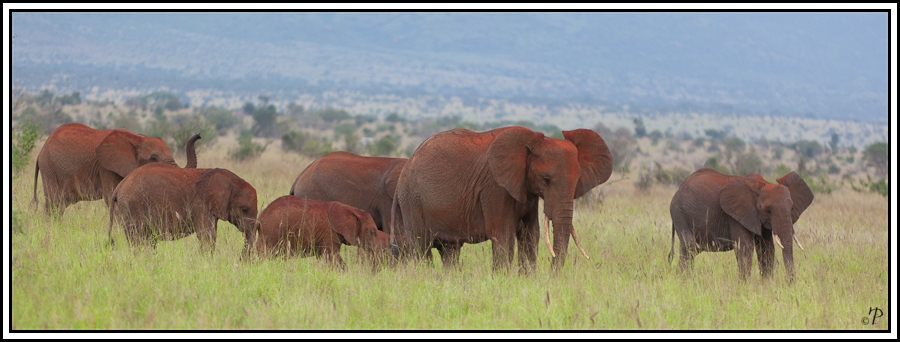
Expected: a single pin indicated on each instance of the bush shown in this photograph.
(304, 144)
(876, 155)
(713, 163)
(25, 135)
(385, 146)
(265, 119)
(183, 127)
(345, 128)
(333, 115)
(128, 121)
(820, 184)
(674, 176)
(808, 148)
(247, 149)
(223, 119)
(880, 187)
(747, 163)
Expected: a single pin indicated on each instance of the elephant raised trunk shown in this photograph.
(191, 152)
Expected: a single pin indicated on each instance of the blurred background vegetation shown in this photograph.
(647, 158)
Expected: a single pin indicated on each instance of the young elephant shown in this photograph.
(295, 226)
(158, 201)
(715, 212)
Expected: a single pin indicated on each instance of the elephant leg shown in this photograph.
(449, 253)
(765, 253)
(502, 246)
(206, 233)
(528, 237)
(334, 259)
(688, 250)
(744, 244)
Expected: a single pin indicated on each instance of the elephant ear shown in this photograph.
(345, 222)
(738, 200)
(390, 184)
(508, 159)
(801, 195)
(594, 159)
(215, 188)
(118, 152)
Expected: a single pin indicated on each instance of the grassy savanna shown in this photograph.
(64, 275)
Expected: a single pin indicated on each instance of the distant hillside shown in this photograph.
(814, 65)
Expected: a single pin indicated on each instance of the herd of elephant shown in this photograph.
(458, 187)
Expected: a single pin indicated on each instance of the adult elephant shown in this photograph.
(367, 183)
(715, 212)
(161, 202)
(466, 187)
(79, 163)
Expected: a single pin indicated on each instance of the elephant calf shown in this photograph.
(293, 226)
(158, 201)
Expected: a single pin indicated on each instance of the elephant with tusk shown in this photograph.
(715, 212)
(462, 186)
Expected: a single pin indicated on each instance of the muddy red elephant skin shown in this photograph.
(466, 187)
(79, 163)
(715, 212)
(301, 227)
(161, 202)
(367, 183)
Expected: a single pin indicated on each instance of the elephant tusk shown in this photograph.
(547, 234)
(778, 241)
(577, 243)
(798, 243)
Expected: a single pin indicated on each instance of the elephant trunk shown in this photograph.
(562, 227)
(784, 231)
(191, 152)
(250, 228)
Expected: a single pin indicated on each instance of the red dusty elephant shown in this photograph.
(162, 202)
(79, 163)
(466, 187)
(715, 212)
(302, 227)
(367, 183)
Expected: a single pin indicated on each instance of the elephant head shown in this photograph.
(757, 204)
(122, 151)
(357, 228)
(229, 198)
(558, 170)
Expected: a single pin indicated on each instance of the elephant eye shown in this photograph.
(153, 158)
(546, 180)
(245, 209)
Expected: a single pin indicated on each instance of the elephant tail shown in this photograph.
(112, 212)
(37, 169)
(672, 249)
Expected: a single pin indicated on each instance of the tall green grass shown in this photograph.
(66, 276)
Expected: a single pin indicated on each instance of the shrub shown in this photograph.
(223, 119)
(25, 135)
(675, 176)
(247, 149)
(747, 163)
(876, 155)
(385, 146)
(713, 163)
(304, 144)
(183, 127)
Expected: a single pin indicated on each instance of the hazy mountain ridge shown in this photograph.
(657, 59)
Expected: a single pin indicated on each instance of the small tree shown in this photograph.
(26, 133)
(876, 155)
(247, 149)
(834, 142)
(639, 129)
